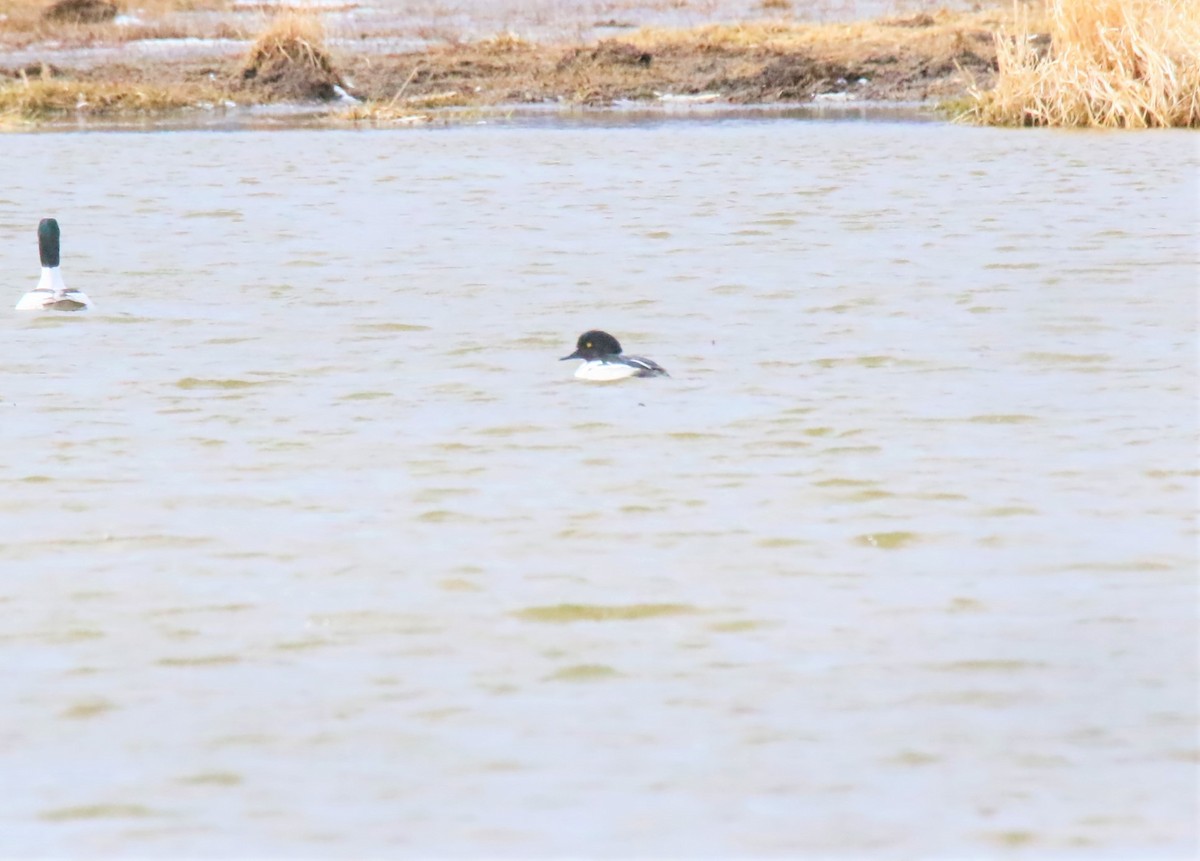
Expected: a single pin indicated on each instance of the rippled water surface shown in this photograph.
(311, 547)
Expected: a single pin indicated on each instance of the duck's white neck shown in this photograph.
(52, 279)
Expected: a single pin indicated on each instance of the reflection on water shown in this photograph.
(312, 546)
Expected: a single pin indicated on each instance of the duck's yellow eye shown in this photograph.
(588, 345)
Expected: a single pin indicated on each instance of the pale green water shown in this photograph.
(310, 547)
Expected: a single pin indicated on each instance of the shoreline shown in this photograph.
(290, 116)
(926, 59)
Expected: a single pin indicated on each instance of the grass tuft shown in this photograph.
(942, 30)
(1108, 63)
(289, 60)
(505, 43)
(80, 11)
(32, 99)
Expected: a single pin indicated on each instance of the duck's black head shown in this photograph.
(594, 345)
(48, 242)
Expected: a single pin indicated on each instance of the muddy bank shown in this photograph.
(646, 69)
(926, 57)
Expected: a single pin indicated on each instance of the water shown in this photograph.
(310, 546)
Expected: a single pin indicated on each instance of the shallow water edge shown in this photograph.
(315, 117)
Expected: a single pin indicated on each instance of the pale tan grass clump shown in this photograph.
(384, 112)
(388, 114)
(1110, 63)
(291, 37)
(854, 39)
(289, 60)
(42, 98)
(507, 42)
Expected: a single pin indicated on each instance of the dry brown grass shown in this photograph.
(380, 115)
(1110, 63)
(80, 11)
(289, 60)
(384, 114)
(505, 43)
(33, 99)
(294, 36)
(918, 57)
(403, 109)
(851, 39)
(932, 55)
(35, 19)
(397, 109)
(25, 22)
(300, 7)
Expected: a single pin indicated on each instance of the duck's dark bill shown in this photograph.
(574, 355)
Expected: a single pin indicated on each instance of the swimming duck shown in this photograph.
(602, 359)
(51, 294)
